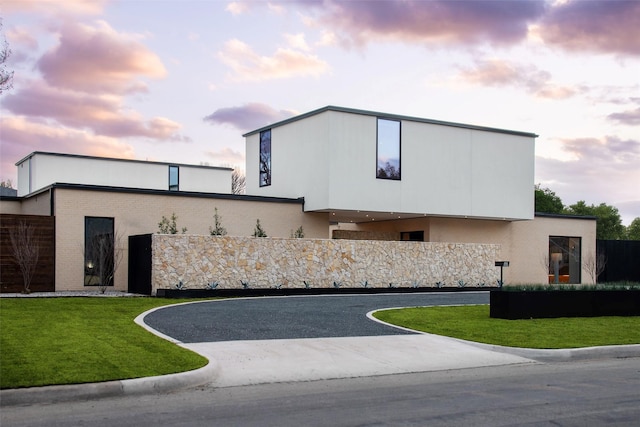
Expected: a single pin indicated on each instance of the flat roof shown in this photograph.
(389, 116)
(81, 156)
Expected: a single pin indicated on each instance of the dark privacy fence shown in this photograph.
(622, 260)
(44, 238)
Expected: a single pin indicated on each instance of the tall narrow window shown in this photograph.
(265, 158)
(565, 263)
(388, 152)
(99, 251)
(174, 178)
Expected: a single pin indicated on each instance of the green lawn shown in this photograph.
(474, 324)
(45, 341)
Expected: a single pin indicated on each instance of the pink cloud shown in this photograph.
(56, 7)
(608, 26)
(249, 116)
(503, 73)
(247, 65)
(102, 114)
(434, 22)
(98, 59)
(21, 136)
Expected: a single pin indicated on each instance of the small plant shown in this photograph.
(481, 285)
(212, 286)
(169, 226)
(278, 286)
(461, 283)
(337, 284)
(391, 285)
(366, 284)
(298, 234)
(415, 284)
(259, 231)
(245, 284)
(440, 285)
(499, 283)
(217, 229)
(180, 286)
(307, 285)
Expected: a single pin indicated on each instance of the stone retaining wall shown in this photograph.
(288, 263)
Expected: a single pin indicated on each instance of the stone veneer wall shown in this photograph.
(270, 262)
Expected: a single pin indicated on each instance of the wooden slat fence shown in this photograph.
(10, 274)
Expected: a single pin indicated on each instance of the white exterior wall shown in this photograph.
(41, 170)
(330, 160)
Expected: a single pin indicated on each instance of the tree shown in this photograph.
(259, 231)
(546, 201)
(217, 229)
(6, 77)
(25, 251)
(594, 264)
(238, 182)
(633, 230)
(103, 253)
(166, 226)
(609, 223)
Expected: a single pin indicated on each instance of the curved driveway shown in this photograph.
(325, 316)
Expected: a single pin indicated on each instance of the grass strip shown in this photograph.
(46, 341)
(473, 323)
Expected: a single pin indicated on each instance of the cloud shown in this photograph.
(56, 7)
(249, 116)
(227, 156)
(629, 117)
(436, 22)
(503, 73)
(19, 36)
(607, 26)
(237, 7)
(297, 41)
(597, 164)
(102, 114)
(285, 62)
(98, 59)
(21, 136)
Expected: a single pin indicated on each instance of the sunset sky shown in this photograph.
(181, 81)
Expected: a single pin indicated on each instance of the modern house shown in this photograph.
(337, 173)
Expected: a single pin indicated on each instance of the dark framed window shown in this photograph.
(265, 158)
(412, 236)
(99, 251)
(388, 149)
(174, 178)
(565, 259)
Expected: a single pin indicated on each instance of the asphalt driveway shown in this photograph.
(327, 316)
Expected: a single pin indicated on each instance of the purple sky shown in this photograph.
(182, 80)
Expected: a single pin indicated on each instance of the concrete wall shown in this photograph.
(330, 159)
(136, 213)
(40, 170)
(271, 262)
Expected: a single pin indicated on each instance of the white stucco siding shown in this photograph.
(204, 180)
(330, 159)
(43, 169)
(300, 153)
(502, 176)
(436, 164)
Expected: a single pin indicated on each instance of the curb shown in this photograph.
(89, 391)
(130, 387)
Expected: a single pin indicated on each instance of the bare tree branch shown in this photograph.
(25, 251)
(103, 254)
